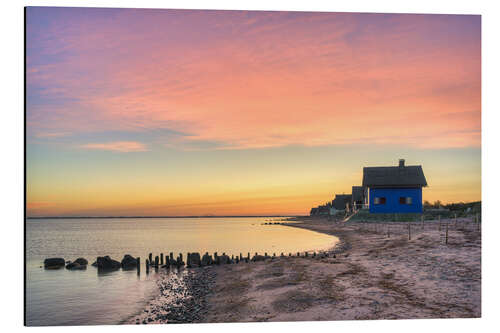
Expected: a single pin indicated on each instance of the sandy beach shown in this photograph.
(375, 272)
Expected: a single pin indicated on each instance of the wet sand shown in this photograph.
(181, 299)
(371, 274)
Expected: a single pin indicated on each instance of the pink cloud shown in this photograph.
(275, 79)
(52, 134)
(119, 146)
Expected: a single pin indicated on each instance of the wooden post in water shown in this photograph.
(409, 231)
(150, 257)
(138, 265)
(446, 237)
(167, 261)
(161, 259)
(439, 217)
(156, 261)
(298, 254)
(147, 266)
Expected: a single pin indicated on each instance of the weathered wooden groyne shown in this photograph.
(193, 260)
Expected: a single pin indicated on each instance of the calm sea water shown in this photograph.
(63, 297)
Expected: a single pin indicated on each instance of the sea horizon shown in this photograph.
(151, 216)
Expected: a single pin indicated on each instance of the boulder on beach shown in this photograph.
(194, 260)
(54, 263)
(106, 263)
(129, 262)
(75, 266)
(81, 261)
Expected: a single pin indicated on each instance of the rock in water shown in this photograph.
(54, 263)
(194, 259)
(75, 266)
(81, 261)
(106, 263)
(129, 262)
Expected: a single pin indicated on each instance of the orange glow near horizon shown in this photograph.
(177, 112)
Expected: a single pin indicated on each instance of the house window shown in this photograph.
(405, 200)
(379, 201)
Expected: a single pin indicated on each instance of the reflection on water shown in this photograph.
(64, 297)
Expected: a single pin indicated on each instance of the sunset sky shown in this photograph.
(184, 112)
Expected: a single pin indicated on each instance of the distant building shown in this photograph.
(324, 209)
(395, 189)
(358, 197)
(342, 202)
(321, 210)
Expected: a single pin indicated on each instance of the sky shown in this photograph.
(192, 112)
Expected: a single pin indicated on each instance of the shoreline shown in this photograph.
(376, 273)
(181, 298)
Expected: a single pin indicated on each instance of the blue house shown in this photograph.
(395, 189)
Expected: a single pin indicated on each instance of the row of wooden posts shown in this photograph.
(476, 222)
(159, 261)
